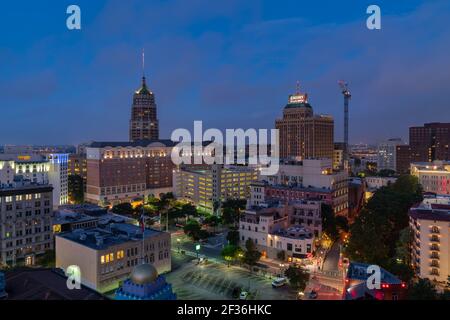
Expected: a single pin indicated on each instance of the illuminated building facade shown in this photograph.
(433, 176)
(272, 231)
(107, 255)
(430, 252)
(310, 179)
(42, 169)
(25, 220)
(210, 184)
(430, 142)
(124, 171)
(144, 123)
(302, 134)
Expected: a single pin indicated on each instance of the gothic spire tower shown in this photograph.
(144, 123)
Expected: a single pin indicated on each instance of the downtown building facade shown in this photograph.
(51, 168)
(302, 133)
(108, 253)
(430, 142)
(273, 229)
(207, 185)
(312, 179)
(430, 251)
(127, 171)
(25, 217)
(433, 176)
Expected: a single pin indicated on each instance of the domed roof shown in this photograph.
(144, 273)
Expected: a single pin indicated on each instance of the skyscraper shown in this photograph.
(144, 122)
(302, 133)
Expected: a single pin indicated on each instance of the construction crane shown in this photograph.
(347, 96)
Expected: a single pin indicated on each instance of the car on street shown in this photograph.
(243, 295)
(279, 282)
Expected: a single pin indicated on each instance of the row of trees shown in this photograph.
(380, 234)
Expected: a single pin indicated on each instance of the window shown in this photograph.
(102, 259)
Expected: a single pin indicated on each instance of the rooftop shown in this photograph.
(44, 284)
(138, 143)
(358, 271)
(295, 232)
(104, 237)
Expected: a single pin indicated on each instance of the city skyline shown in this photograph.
(240, 59)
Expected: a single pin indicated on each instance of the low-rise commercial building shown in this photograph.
(106, 255)
(280, 228)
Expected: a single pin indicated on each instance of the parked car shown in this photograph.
(243, 295)
(279, 282)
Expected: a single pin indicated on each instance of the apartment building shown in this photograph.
(430, 224)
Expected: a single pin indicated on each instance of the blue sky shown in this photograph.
(229, 63)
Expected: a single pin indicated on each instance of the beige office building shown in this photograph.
(206, 185)
(106, 256)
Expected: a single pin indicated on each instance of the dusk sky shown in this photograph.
(229, 63)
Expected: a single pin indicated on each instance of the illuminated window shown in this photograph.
(111, 257)
(102, 259)
(107, 258)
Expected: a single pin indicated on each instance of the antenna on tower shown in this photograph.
(143, 62)
(297, 87)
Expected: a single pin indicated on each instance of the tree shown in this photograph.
(298, 277)
(75, 189)
(123, 208)
(212, 221)
(194, 230)
(229, 216)
(329, 221)
(376, 231)
(251, 254)
(231, 253)
(424, 289)
(403, 246)
(233, 237)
